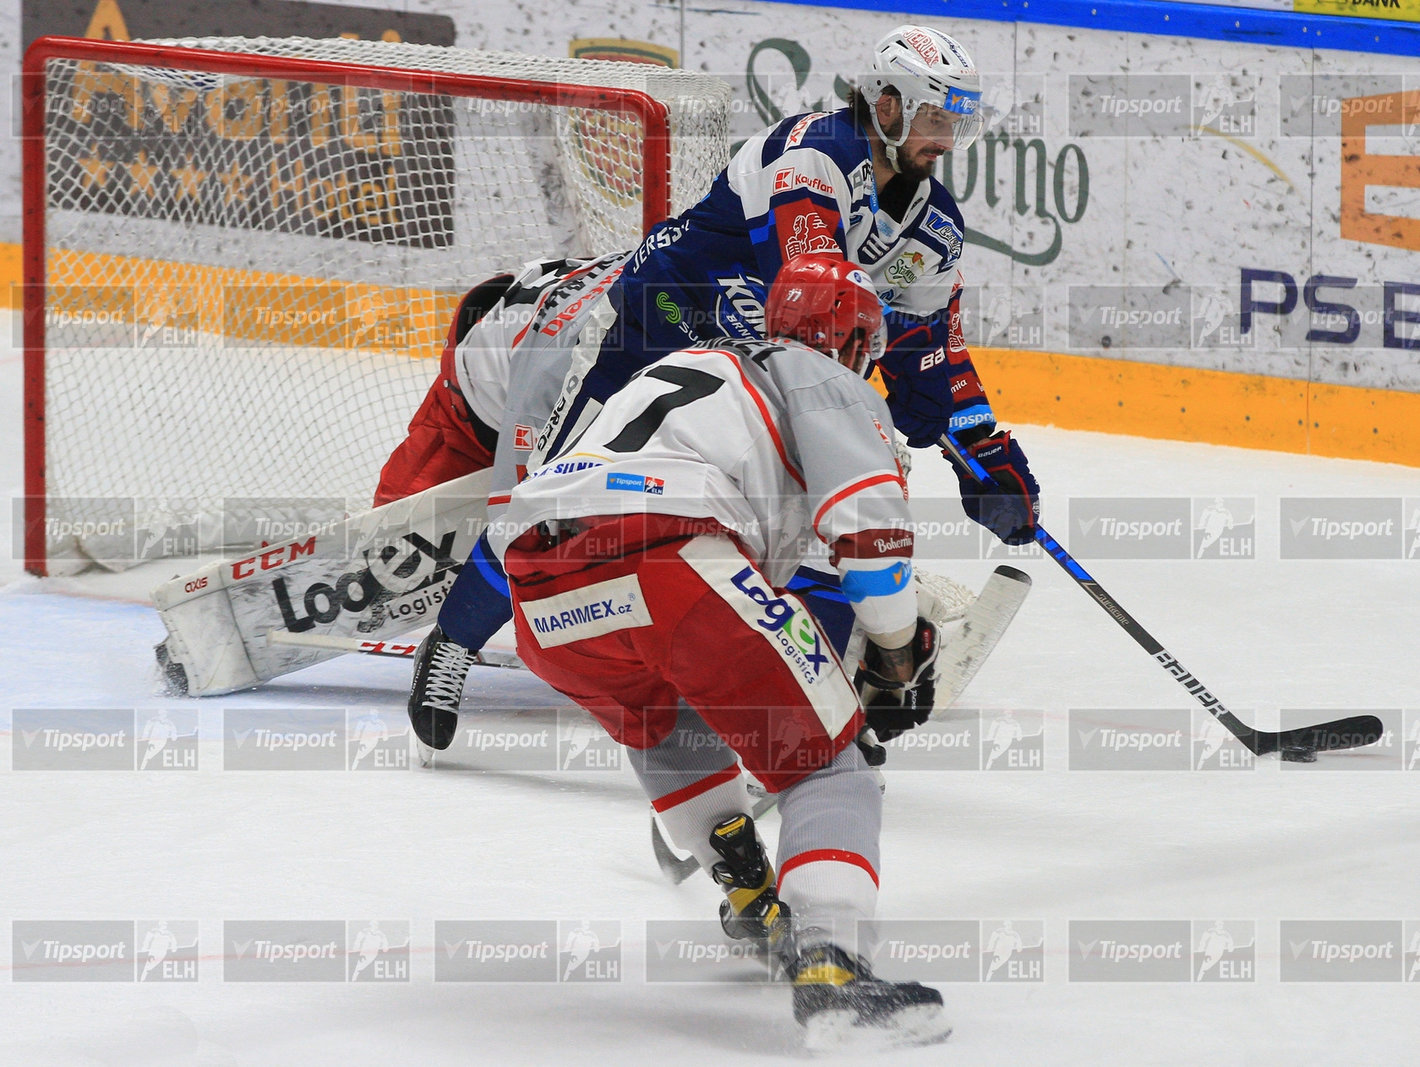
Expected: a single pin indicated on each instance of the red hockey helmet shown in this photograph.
(821, 301)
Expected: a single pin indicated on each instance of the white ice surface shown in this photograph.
(1314, 842)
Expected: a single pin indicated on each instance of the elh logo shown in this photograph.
(590, 951)
(1225, 527)
(167, 740)
(167, 951)
(1225, 105)
(1013, 740)
(1224, 951)
(377, 741)
(1013, 950)
(1215, 748)
(377, 950)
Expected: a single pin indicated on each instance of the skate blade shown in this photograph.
(425, 753)
(840, 1031)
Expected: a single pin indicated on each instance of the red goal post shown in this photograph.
(259, 186)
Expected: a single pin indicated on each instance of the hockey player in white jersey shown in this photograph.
(854, 183)
(647, 562)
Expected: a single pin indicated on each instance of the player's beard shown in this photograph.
(917, 168)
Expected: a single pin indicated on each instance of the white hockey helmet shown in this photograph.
(926, 66)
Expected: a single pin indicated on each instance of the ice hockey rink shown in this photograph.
(1037, 843)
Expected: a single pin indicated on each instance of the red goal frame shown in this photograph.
(655, 193)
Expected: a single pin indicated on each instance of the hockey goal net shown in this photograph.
(242, 256)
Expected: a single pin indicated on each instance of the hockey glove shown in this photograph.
(894, 707)
(1010, 506)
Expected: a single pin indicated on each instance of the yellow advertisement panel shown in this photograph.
(1400, 10)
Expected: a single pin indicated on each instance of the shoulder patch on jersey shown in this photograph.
(796, 135)
(941, 226)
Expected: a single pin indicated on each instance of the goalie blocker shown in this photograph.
(375, 575)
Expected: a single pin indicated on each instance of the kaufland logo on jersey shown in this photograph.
(523, 437)
(789, 178)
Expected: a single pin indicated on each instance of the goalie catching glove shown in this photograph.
(894, 707)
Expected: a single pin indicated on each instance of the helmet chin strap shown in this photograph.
(889, 145)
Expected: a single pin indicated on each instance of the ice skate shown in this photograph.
(841, 1005)
(751, 909)
(440, 669)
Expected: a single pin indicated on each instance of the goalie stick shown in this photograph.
(1299, 745)
(397, 649)
(960, 658)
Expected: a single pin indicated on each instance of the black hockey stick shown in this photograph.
(1300, 745)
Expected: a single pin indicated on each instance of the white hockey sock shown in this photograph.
(693, 812)
(829, 894)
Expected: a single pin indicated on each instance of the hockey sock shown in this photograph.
(477, 605)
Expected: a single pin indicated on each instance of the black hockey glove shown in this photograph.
(894, 707)
(1010, 507)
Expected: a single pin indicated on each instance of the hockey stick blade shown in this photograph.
(981, 628)
(1354, 732)
(677, 869)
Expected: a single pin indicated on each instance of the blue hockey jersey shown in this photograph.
(804, 185)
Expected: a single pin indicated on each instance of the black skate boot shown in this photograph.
(840, 1004)
(440, 668)
(751, 908)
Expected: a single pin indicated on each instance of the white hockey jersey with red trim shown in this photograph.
(773, 440)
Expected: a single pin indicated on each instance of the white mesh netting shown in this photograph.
(249, 278)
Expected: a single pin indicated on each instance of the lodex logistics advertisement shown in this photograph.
(1167, 235)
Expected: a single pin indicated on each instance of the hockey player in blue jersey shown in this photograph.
(855, 183)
